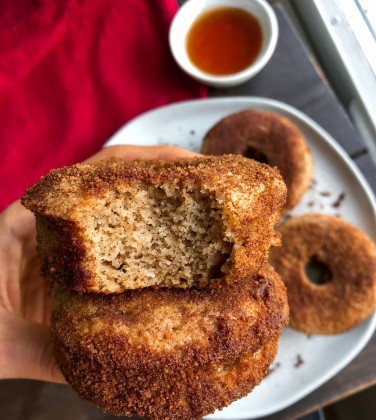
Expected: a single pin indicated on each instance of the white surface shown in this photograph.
(188, 13)
(185, 124)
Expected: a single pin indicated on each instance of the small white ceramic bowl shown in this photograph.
(189, 12)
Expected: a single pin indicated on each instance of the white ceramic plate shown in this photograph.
(303, 362)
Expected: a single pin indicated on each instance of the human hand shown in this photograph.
(25, 341)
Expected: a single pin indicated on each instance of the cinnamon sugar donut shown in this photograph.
(268, 138)
(169, 353)
(117, 225)
(344, 256)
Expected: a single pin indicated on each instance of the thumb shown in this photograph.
(26, 350)
(129, 152)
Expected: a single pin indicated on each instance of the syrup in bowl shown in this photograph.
(224, 40)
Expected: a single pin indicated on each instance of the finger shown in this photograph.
(26, 350)
(17, 221)
(141, 152)
(17, 249)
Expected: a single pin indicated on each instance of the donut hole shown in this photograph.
(318, 272)
(255, 154)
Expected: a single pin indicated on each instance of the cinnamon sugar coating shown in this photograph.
(169, 353)
(348, 293)
(269, 138)
(116, 225)
(186, 394)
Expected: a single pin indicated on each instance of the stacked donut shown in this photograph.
(199, 327)
(327, 265)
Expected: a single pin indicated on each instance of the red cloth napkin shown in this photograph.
(72, 73)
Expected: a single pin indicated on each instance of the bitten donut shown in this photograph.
(116, 225)
(268, 138)
(346, 259)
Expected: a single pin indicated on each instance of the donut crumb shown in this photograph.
(313, 184)
(273, 367)
(339, 200)
(299, 361)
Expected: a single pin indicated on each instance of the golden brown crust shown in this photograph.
(349, 296)
(188, 393)
(152, 328)
(251, 196)
(265, 136)
(57, 193)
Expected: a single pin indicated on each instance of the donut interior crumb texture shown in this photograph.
(112, 226)
(173, 237)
